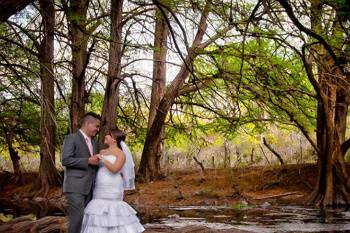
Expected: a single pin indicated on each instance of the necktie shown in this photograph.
(89, 144)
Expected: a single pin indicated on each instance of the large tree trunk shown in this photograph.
(76, 16)
(159, 65)
(48, 174)
(111, 97)
(158, 86)
(149, 167)
(14, 156)
(332, 185)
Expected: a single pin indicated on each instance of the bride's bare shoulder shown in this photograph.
(103, 151)
(118, 151)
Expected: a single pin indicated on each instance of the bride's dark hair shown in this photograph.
(118, 135)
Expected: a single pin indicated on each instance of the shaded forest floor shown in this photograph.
(254, 185)
(287, 184)
(216, 187)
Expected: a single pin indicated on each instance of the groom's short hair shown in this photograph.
(90, 116)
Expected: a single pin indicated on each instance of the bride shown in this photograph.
(107, 212)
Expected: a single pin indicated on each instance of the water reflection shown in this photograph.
(253, 219)
(257, 219)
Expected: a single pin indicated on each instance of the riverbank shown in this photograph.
(233, 188)
(191, 187)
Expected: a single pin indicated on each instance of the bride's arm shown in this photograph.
(117, 165)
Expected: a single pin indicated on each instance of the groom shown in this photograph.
(81, 163)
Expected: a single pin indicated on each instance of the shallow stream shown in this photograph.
(264, 218)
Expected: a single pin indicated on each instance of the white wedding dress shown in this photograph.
(107, 212)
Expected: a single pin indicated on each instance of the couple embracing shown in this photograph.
(95, 180)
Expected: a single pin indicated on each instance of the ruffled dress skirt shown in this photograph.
(107, 212)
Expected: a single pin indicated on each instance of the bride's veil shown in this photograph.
(128, 169)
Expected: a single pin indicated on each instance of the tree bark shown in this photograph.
(226, 154)
(252, 156)
(333, 185)
(159, 65)
(48, 174)
(14, 156)
(158, 88)
(76, 16)
(111, 97)
(149, 169)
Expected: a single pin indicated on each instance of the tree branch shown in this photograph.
(308, 31)
(273, 151)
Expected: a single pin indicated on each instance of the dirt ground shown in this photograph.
(254, 185)
(289, 183)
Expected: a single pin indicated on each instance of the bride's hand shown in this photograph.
(100, 157)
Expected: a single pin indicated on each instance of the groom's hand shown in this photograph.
(99, 156)
(93, 160)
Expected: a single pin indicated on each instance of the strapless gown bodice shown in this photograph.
(107, 212)
(108, 185)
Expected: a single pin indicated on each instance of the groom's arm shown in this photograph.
(68, 155)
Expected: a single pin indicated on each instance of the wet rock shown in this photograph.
(266, 205)
(174, 216)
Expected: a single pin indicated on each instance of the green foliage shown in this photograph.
(62, 119)
(20, 119)
(19, 101)
(95, 102)
(272, 87)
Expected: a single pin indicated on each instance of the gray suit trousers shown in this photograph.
(76, 205)
(79, 177)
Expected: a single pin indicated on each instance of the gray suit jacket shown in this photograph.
(79, 176)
